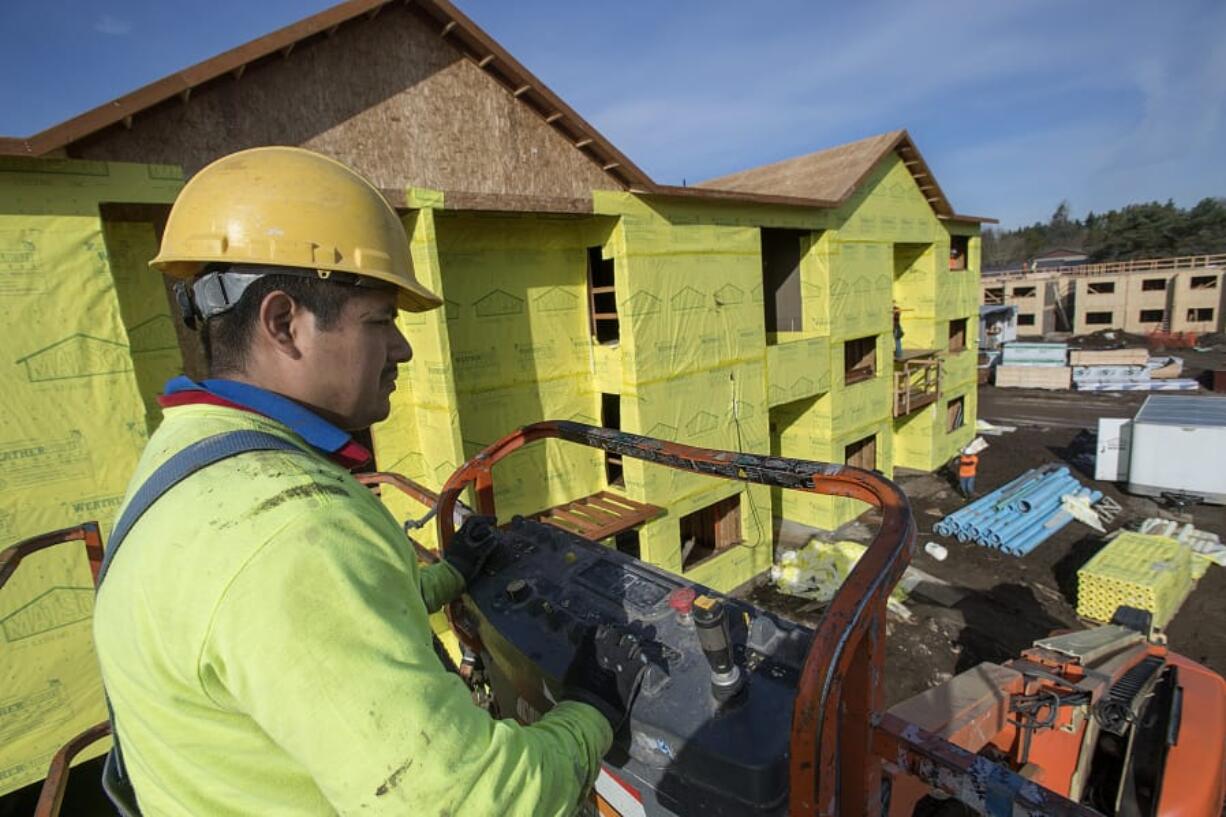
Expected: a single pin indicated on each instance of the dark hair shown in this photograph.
(227, 337)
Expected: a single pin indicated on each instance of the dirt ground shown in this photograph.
(993, 605)
(997, 604)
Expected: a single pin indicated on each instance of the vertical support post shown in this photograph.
(862, 702)
(484, 487)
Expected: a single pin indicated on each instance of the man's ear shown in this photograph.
(276, 326)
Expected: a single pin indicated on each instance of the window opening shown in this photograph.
(957, 335)
(1100, 318)
(862, 453)
(859, 359)
(1200, 314)
(1152, 315)
(959, 248)
(710, 530)
(1025, 319)
(1203, 282)
(1153, 285)
(955, 417)
(611, 417)
(1024, 292)
(1100, 287)
(781, 281)
(602, 297)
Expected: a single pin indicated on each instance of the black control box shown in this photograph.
(685, 751)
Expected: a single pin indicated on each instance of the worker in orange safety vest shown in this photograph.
(967, 465)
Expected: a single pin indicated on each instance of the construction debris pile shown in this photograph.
(817, 570)
(1024, 513)
(1055, 366)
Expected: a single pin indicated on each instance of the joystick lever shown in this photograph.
(711, 622)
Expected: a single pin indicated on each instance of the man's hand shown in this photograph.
(471, 546)
(606, 673)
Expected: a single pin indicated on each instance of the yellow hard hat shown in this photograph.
(289, 207)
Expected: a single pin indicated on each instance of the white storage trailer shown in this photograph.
(1176, 443)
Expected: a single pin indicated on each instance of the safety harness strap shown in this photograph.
(195, 457)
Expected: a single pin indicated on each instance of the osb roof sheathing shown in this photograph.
(832, 176)
(823, 179)
(450, 23)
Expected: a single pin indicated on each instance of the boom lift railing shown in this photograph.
(842, 738)
(51, 796)
(841, 734)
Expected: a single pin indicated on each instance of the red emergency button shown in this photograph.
(682, 600)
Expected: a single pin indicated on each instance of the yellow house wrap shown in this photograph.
(87, 344)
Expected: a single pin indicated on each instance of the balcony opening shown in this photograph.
(1025, 319)
(710, 530)
(1203, 282)
(1100, 287)
(611, 417)
(859, 359)
(1152, 315)
(1100, 318)
(955, 416)
(1201, 314)
(957, 335)
(862, 453)
(602, 297)
(1153, 285)
(1023, 292)
(959, 249)
(781, 281)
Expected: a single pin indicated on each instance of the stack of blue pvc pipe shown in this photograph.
(1020, 515)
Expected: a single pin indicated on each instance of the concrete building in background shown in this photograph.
(1143, 296)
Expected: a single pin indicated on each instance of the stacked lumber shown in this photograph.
(1034, 377)
(1109, 357)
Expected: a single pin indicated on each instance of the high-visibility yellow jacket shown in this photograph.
(263, 637)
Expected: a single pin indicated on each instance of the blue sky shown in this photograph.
(1016, 104)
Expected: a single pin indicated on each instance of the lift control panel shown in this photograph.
(709, 731)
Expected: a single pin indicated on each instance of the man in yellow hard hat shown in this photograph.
(261, 621)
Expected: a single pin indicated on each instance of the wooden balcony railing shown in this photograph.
(917, 380)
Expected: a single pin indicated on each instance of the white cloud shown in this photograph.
(112, 26)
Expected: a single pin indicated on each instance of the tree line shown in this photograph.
(1152, 230)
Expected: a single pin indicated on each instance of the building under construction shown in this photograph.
(1143, 296)
(823, 307)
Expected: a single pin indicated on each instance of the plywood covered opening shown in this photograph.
(859, 359)
(710, 530)
(862, 453)
(602, 297)
(781, 252)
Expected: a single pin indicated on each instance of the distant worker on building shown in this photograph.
(263, 631)
(898, 333)
(968, 464)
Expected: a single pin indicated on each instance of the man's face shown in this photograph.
(348, 372)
